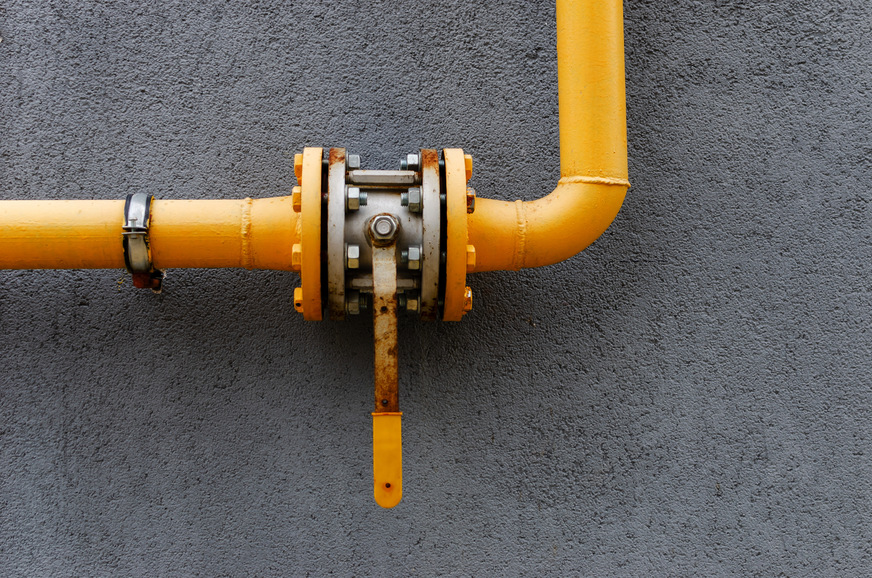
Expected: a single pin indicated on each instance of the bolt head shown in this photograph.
(467, 161)
(414, 258)
(352, 302)
(415, 199)
(413, 301)
(411, 163)
(352, 257)
(296, 257)
(352, 162)
(383, 228)
(297, 199)
(467, 300)
(298, 166)
(470, 200)
(352, 198)
(470, 258)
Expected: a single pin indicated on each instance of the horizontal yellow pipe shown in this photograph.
(253, 234)
(593, 150)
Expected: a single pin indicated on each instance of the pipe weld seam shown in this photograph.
(595, 180)
(521, 237)
(245, 234)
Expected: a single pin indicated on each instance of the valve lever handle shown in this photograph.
(387, 444)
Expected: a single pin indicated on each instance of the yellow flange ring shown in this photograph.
(456, 234)
(310, 215)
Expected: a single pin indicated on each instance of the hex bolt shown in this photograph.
(470, 200)
(467, 300)
(413, 302)
(414, 257)
(410, 163)
(352, 162)
(415, 199)
(352, 198)
(404, 198)
(352, 256)
(355, 302)
(404, 256)
(297, 199)
(383, 228)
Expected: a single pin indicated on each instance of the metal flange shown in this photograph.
(310, 238)
(336, 253)
(457, 298)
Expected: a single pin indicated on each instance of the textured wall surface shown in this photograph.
(689, 396)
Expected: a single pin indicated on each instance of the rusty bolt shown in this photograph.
(383, 228)
(415, 199)
(467, 300)
(414, 257)
(352, 257)
(470, 258)
(298, 299)
(352, 198)
(352, 162)
(296, 257)
(298, 166)
(297, 199)
(470, 200)
(467, 160)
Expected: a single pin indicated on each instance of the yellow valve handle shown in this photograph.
(387, 458)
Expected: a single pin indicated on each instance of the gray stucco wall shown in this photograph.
(689, 396)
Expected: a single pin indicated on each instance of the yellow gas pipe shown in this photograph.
(270, 234)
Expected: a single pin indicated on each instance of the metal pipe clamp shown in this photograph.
(137, 258)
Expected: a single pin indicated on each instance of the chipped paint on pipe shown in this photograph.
(593, 151)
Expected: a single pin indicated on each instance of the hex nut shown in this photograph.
(383, 228)
(352, 198)
(352, 257)
(470, 258)
(415, 199)
(352, 302)
(467, 162)
(470, 200)
(297, 199)
(467, 300)
(413, 302)
(296, 257)
(298, 166)
(414, 262)
(410, 163)
(352, 162)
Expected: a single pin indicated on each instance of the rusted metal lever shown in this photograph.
(387, 446)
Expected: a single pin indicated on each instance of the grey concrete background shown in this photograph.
(689, 396)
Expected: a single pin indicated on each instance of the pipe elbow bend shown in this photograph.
(518, 235)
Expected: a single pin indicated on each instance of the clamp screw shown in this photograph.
(352, 257)
(352, 162)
